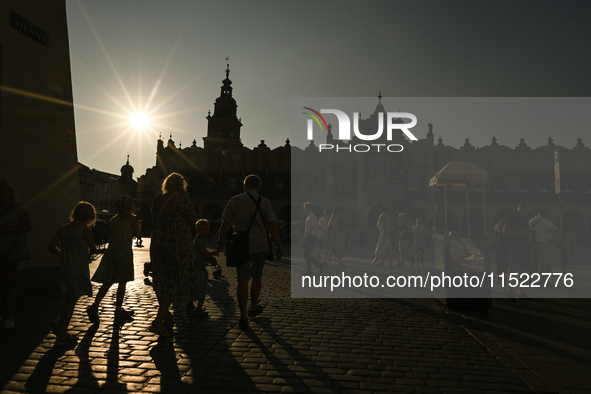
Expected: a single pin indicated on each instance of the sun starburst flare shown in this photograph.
(140, 121)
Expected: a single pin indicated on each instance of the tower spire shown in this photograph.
(223, 126)
(227, 84)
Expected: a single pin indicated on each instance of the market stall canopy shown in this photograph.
(459, 174)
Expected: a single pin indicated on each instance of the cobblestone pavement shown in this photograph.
(296, 345)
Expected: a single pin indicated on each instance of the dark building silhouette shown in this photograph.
(102, 189)
(362, 185)
(215, 172)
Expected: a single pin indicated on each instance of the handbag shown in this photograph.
(237, 249)
(237, 244)
(19, 250)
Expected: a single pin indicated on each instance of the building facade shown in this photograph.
(215, 172)
(362, 186)
(102, 189)
(37, 131)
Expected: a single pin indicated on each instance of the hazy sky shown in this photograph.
(169, 57)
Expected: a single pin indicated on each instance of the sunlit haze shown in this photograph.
(168, 59)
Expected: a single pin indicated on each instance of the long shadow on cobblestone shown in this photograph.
(310, 372)
(31, 330)
(551, 326)
(39, 379)
(85, 376)
(113, 355)
(208, 343)
(164, 357)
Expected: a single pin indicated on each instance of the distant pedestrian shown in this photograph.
(116, 266)
(500, 245)
(77, 245)
(138, 241)
(309, 239)
(567, 243)
(420, 241)
(321, 232)
(202, 257)
(240, 211)
(404, 239)
(14, 220)
(338, 239)
(546, 234)
(384, 250)
(517, 233)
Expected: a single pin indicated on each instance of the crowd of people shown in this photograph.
(394, 242)
(178, 260)
(519, 243)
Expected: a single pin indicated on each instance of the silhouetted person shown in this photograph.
(516, 231)
(309, 238)
(321, 232)
(116, 266)
(405, 246)
(546, 234)
(14, 220)
(502, 251)
(239, 212)
(171, 250)
(77, 245)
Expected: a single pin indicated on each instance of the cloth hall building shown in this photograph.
(215, 172)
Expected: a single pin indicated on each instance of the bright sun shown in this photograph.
(140, 121)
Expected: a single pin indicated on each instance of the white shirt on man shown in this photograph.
(311, 223)
(542, 228)
(239, 212)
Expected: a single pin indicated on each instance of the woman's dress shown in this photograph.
(117, 263)
(172, 255)
(340, 241)
(384, 246)
(74, 277)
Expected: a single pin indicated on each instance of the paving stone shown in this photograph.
(296, 345)
(294, 389)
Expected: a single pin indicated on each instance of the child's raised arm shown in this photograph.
(90, 240)
(53, 244)
(208, 253)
